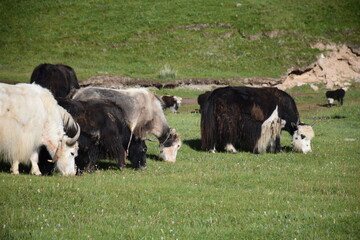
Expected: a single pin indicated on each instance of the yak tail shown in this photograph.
(208, 126)
(270, 134)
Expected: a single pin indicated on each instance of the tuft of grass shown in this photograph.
(167, 73)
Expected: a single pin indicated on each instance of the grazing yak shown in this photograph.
(172, 102)
(337, 94)
(224, 126)
(31, 118)
(104, 134)
(60, 79)
(143, 113)
(257, 104)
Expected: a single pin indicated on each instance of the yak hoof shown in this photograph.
(230, 148)
(37, 173)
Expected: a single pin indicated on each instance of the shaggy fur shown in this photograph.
(222, 109)
(104, 134)
(269, 140)
(60, 79)
(143, 113)
(202, 99)
(227, 122)
(30, 117)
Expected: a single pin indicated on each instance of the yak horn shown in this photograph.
(71, 141)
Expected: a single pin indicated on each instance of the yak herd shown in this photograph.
(53, 123)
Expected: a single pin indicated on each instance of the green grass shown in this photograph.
(203, 195)
(137, 38)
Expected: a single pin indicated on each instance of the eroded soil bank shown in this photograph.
(338, 66)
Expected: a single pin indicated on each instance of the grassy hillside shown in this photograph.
(135, 38)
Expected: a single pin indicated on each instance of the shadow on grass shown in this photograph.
(286, 149)
(5, 167)
(153, 157)
(329, 117)
(328, 106)
(194, 144)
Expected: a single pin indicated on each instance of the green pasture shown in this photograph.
(204, 196)
(196, 38)
(201, 196)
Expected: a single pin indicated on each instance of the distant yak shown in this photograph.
(337, 94)
(171, 102)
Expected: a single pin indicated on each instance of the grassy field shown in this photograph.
(196, 38)
(201, 196)
(205, 196)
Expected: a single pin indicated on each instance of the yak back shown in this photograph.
(227, 109)
(142, 109)
(58, 78)
(225, 113)
(104, 132)
(336, 94)
(95, 114)
(262, 102)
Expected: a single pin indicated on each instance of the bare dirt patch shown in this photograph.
(337, 67)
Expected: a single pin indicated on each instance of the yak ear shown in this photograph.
(173, 131)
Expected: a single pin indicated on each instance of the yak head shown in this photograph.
(302, 138)
(65, 154)
(137, 153)
(170, 147)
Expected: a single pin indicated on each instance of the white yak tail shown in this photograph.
(270, 130)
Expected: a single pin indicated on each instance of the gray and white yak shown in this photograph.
(143, 113)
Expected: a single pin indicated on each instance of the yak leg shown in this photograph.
(213, 150)
(15, 167)
(230, 148)
(121, 159)
(34, 159)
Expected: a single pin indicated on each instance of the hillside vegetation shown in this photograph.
(214, 39)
